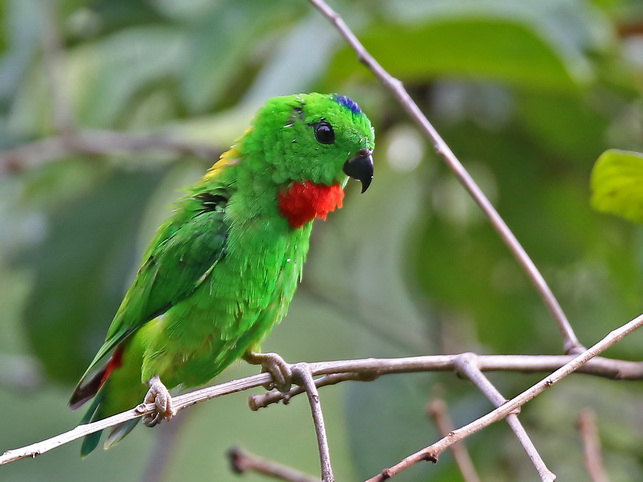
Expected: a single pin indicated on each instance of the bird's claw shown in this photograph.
(160, 396)
(279, 369)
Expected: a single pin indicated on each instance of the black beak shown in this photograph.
(360, 168)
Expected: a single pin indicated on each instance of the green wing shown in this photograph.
(179, 259)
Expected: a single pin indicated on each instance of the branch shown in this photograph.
(591, 446)
(369, 369)
(97, 142)
(570, 341)
(467, 365)
(302, 375)
(433, 451)
(437, 408)
(366, 369)
(262, 401)
(243, 462)
(180, 402)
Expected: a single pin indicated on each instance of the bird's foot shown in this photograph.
(160, 396)
(275, 365)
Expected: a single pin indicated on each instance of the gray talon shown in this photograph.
(160, 396)
(277, 367)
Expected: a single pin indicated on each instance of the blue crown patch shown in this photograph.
(348, 102)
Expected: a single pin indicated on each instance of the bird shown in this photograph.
(221, 272)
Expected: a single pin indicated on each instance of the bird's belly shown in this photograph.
(218, 323)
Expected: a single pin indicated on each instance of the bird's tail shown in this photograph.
(97, 386)
(94, 413)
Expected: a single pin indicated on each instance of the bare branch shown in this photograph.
(433, 451)
(303, 376)
(570, 341)
(467, 365)
(371, 368)
(180, 402)
(367, 369)
(262, 401)
(437, 408)
(591, 446)
(243, 462)
(97, 142)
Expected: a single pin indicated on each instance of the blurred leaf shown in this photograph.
(219, 48)
(569, 125)
(3, 26)
(80, 271)
(282, 75)
(21, 31)
(503, 49)
(67, 7)
(108, 74)
(103, 78)
(617, 180)
(386, 421)
(119, 14)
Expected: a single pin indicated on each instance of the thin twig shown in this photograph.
(591, 446)
(437, 408)
(371, 368)
(262, 401)
(433, 451)
(467, 365)
(55, 64)
(243, 462)
(97, 142)
(367, 368)
(570, 341)
(302, 375)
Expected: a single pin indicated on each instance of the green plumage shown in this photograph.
(221, 272)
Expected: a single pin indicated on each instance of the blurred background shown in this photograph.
(109, 107)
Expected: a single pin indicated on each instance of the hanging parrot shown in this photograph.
(221, 272)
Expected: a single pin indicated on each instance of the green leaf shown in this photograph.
(80, 271)
(106, 76)
(616, 183)
(505, 49)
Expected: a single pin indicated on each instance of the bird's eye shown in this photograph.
(324, 132)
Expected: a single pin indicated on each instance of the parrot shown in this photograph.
(221, 272)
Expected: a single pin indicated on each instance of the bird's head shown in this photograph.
(319, 138)
(312, 144)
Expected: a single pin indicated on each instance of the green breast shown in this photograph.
(246, 294)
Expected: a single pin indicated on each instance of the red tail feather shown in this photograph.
(114, 362)
(86, 391)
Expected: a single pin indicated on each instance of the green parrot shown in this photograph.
(221, 272)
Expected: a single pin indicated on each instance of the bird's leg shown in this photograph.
(275, 365)
(160, 396)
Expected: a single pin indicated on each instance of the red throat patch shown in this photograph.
(303, 202)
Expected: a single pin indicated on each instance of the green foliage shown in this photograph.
(616, 184)
(493, 48)
(528, 95)
(93, 267)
